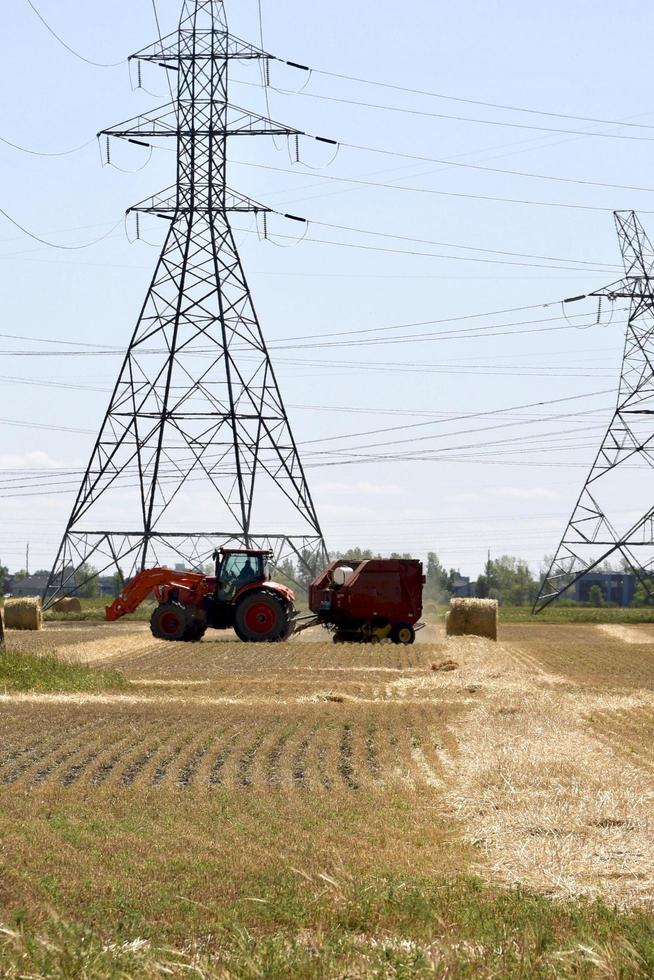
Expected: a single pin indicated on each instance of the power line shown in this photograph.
(440, 193)
(58, 245)
(422, 241)
(471, 248)
(488, 105)
(496, 330)
(446, 163)
(484, 122)
(284, 344)
(46, 153)
(467, 416)
(88, 61)
(496, 170)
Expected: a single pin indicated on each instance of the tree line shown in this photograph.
(506, 578)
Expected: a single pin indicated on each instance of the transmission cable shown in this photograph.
(469, 248)
(59, 245)
(496, 170)
(46, 153)
(431, 255)
(487, 105)
(471, 166)
(440, 193)
(96, 64)
(480, 330)
(468, 119)
(465, 417)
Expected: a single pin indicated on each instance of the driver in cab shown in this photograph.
(247, 574)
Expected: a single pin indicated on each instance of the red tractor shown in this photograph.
(239, 596)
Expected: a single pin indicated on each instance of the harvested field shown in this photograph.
(323, 748)
(587, 655)
(524, 762)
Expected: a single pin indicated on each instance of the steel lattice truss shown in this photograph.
(614, 516)
(196, 449)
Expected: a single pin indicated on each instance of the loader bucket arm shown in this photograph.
(143, 585)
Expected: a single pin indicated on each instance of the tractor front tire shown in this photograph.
(261, 618)
(195, 632)
(169, 621)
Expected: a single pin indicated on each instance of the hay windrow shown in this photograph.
(472, 617)
(23, 614)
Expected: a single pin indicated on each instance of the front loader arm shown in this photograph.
(146, 582)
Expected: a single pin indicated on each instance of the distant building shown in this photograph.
(462, 587)
(32, 585)
(616, 587)
(107, 585)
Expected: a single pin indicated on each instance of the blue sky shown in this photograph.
(584, 59)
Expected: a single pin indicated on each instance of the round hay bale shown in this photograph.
(472, 617)
(23, 614)
(68, 605)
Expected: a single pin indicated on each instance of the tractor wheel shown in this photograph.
(403, 633)
(195, 632)
(169, 622)
(261, 618)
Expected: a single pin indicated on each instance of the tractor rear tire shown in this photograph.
(403, 634)
(169, 621)
(261, 618)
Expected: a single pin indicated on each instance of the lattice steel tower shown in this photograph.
(614, 515)
(196, 449)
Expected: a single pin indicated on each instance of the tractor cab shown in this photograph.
(235, 569)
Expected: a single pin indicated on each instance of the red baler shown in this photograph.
(369, 601)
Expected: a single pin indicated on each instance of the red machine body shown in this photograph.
(370, 600)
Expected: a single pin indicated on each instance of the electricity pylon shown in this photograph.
(196, 449)
(614, 515)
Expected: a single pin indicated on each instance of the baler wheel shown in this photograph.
(403, 633)
(261, 618)
(169, 621)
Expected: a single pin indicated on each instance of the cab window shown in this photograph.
(238, 570)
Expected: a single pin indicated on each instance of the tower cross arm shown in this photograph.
(165, 204)
(167, 53)
(164, 122)
(160, 122)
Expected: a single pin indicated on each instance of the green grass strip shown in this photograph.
(27, 672)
